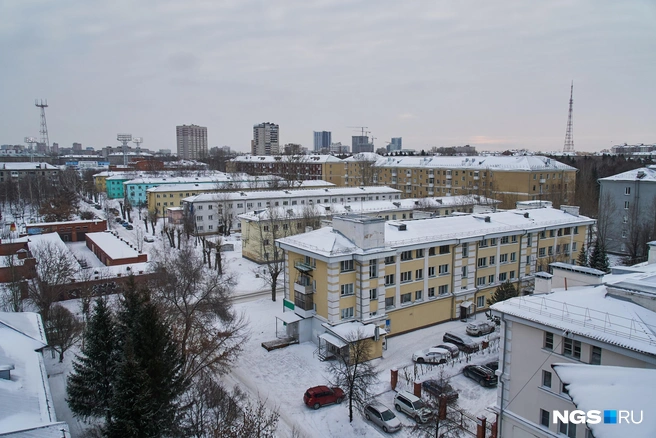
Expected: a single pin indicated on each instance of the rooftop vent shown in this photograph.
(397, 204)
(399, 226)
(5, 371)
(487, 219)
(526, 215)
(641, 174)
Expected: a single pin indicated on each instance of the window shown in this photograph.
(347, 313)
(493, 260)
(443, 290)
(406, 276)
(503, 258)
(431, 271)
(389, 302)
(373, 294)
(503, 276)
(544, 418)
(445, 249)
(482, 262)
(389, 279)
(346, 265)
(420, 253)
(431, 292)
(200, 207)
(529, 240)
(513, 239)
(444, 269)
(546, 379)
(504, 240)
(199, 218)
(512, 275)
(389, 260)
(346, 289)
(431, 251)
(563, 389)
(406, 255)
(266, 228)
(463, 272)
(548, 341)
(483, 243)
(572, 348)
(627, 191)
(490, 279)
(406, 298)
(626, 205)
(418, 295)
(568, 429)
(480, 281)
(480, 301)
(542, 252)
(595, 356)
(552, 233)
(373, 268)
(419, 274)
(550, 250)
(573, 246)
(493, 241)
(465, 249)
(210, 217)
(576, 230)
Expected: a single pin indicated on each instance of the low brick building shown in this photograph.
(70, 231)
(113, 251)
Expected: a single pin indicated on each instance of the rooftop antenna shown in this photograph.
(44, 126)
(31, 141)
(138, 141)
(569, 139)
(125, 139)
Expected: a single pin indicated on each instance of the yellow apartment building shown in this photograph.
(402, 276)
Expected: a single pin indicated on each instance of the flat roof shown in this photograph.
(115, 248)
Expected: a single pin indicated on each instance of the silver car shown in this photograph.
(382, 416)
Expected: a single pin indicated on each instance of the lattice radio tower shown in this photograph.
(44, 126)
(569, 139)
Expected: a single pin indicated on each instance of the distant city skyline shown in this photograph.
(492, 75)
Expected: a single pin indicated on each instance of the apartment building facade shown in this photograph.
(292, 167)
(266, 139)
(576, 325)
(191, 141)
(409, 275)
(14, 171)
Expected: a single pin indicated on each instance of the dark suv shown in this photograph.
(483, 375)
(322, 395)
(438, 388)
(464, 342)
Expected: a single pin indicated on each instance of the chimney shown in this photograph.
(652, 252)
(5, 371)
(542, 283)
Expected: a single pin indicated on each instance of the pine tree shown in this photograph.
(599, 258)
(150, 355)
(504, 291)
(582, 260)
(89, 386)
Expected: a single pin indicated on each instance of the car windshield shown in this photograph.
(419, 404)
(387, 415)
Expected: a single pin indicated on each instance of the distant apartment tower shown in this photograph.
(192, 141)
(77, 147)
(395, 145)
(322, 139)
(360, 143)
(265, 139)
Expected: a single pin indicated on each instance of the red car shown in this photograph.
(322, 395)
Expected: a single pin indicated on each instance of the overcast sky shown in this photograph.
(494, 74)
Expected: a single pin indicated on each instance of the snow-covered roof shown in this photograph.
(293, 193)
(348, 330)
(511, 163)
(589, 312)
(594, 387)
(27, 166)
(301, 159)
(45, 239)
(363, 156)
(76, 222)
(471, 227)
(112, 245)
(577, 268)
(25, 400)
(641, 174)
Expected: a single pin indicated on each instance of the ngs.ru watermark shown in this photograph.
(609, 416)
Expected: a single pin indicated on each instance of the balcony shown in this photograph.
(448, 185)
(304, 289)
(304, 305)
(476, 178)
(448, 177)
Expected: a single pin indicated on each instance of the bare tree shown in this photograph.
(12, 295)
(638, 230)
(364, 167)
(225, 213)
(607, 218)
(273, 224)
(196, 301)
(63, 330)
(353, 371)
(55, 267)
(152, 218)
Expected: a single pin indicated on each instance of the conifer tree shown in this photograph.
(89, 386)
(504, 291)
(582, 259)
(599, 258)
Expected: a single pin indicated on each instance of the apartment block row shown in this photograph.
(402, 276)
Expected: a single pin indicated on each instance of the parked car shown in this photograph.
(129, 227)
(438, 388)
(453, 348)
(480, 328)
(97, 207)
(464, 343)
(412, 406)
(483, 375)
(125, 224)
(119, 220)
(493, 365)
(382, 416)
(431, 355)
(318, 396)
(149, 239)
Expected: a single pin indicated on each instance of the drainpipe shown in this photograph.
(503, 382)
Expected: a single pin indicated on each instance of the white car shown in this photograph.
(480, 328)
(149, 239)
(432, 355)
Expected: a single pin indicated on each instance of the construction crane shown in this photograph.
(360, 128)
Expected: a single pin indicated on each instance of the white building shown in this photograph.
(596, 324)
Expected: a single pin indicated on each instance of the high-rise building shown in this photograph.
(322, 139)
(360, 143)
(77, 147)
(395, 145)
(192, 142)
(265, 139)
